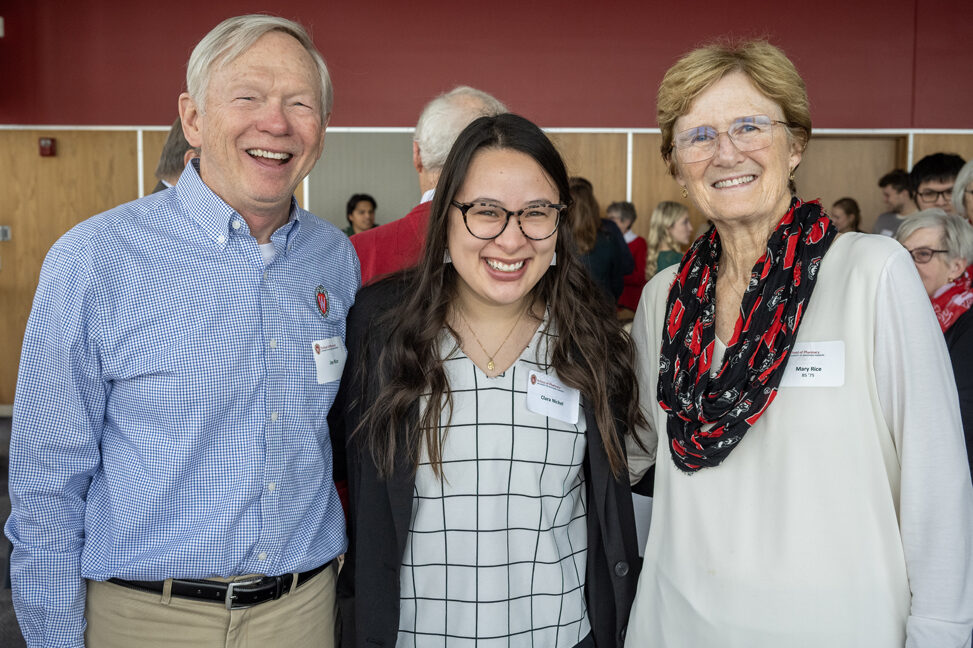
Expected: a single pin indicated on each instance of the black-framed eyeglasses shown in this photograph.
(931, 195)
(487, 221)
(750, 133)
(924, 254)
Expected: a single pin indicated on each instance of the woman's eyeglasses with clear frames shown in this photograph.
(750, 133)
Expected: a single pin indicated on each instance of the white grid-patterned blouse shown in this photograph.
(497, 549)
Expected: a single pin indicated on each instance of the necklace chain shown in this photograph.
(491, 366)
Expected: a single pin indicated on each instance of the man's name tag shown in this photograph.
(329, 359)
(815, 364)
(548, 396)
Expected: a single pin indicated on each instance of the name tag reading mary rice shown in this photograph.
(548, 396)
(815, 364)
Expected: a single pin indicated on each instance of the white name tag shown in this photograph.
(548, 396)
(815, 364)
(329, 359)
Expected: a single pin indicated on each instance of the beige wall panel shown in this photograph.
(838, 166)
(599, 157)
(925, 143)
(651, 183)
(43, 198)
(379, 164)
(152, 143)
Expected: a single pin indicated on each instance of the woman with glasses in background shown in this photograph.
(485, 401)
(809, 487)
(941, 246)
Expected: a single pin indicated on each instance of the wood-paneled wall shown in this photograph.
(96, 170)
(42, 198)
(152, 143)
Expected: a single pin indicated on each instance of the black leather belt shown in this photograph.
(235, 595)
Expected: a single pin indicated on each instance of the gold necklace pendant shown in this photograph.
(491, 365)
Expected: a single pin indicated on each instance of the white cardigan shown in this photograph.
(845, 517)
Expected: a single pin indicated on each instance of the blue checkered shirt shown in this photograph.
(169, 421)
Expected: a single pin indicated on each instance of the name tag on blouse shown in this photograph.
(815, 364)
(548, 396)
(329, 358)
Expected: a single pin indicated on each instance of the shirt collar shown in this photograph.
(213, 215)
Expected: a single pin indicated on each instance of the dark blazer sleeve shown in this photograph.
(959, 340)
(613, 563)
(372, 561)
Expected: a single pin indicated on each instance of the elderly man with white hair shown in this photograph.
(398, 245)
(170, 465)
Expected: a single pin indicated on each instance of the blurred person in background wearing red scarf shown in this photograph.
(941, 245)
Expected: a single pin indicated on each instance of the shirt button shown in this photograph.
(271, 486)
(273, 416)
(262, 556)
(273, 344)
(236, 225)
(621, 569)
(266, 274)
(221, 239)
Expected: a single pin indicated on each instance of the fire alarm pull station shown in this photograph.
(48, 146)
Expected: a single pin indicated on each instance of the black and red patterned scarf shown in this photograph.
(778, 295)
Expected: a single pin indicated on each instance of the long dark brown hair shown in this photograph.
(585, 214)
(590, 352)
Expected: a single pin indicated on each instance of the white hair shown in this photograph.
(956, 235)
(445, 117)
(964, 181)
(231, 38)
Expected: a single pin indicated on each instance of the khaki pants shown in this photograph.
(119, 617)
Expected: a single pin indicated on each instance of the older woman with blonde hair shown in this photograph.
(810, 488)
(670, 233)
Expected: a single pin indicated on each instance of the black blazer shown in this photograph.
(379, 510)
(959, 341)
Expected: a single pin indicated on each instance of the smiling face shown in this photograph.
(502, 271)
(734, 186)
(260, 131)
(362, 217)
(896, 200)
(938, 271)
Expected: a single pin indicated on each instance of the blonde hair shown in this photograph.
(766, 66)
(666, 214)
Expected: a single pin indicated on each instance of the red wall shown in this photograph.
(868, 64)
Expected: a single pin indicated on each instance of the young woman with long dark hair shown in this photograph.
(485, 401)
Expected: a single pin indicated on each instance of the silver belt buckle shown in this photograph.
(230, 595)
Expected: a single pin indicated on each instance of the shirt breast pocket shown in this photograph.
(329, 359)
